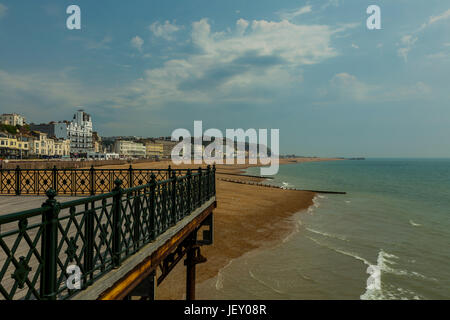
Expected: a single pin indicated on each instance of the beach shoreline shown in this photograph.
(248, 217)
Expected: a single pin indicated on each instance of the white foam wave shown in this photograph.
(264, 283)
(414, 224)
(221, 277)
(343, 238)
(375, 289)
(286, 185)
(315, 205)
(296, 230)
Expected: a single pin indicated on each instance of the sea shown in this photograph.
(387, 238)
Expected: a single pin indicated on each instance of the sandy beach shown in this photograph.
(247, 217)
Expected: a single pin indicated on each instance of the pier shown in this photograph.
(123, 242)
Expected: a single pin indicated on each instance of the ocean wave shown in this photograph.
(296, 230)
(264, 283)
(286, 185)
(414, 224)
(315, 205)
(221, 277)
(375, 289)
(343, 238)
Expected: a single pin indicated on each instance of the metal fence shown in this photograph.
(74, 182)
(95, 233)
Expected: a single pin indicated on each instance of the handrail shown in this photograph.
(94, 234)
(74, 182)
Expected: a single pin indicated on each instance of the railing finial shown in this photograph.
(118, 184)
(51, 194)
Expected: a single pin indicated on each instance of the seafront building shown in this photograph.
(154, 150)
(168, 145)
(14, 146)
(12, 119)
(43, 146)
(78, 131)
(126, 148)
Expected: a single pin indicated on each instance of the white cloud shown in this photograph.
(348, 87)
(165, 30)
(334, 3)
(443, 16)
(438, 55)
(345, 87)
(52, 91)
(355, 46)
(291, 14)
(137, 43)
(240, 64)
(407, 41)
(3, 10)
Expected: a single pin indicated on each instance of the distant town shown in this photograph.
(76, 139)
(73, 139)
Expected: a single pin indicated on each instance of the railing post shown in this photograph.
(130, 176)
(208, 181)
(48, 247)
(18, 181)
(136, 219)
(174, 198)
(54, 177)
(117, 223)
(199, 186)
(189, 191)
(152, 216)
(89, 249)
(214, 179)
(169, 172)
(92, 175)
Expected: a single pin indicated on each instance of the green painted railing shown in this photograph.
(95, 233)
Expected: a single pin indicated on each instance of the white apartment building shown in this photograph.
(78, 131)
(129, 149)
(12, 119)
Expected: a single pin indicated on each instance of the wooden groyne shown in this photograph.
(259, 184)
(243, 175)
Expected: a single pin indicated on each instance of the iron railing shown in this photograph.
(89, 181)
(95, 233)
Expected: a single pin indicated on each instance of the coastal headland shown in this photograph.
(247, 217)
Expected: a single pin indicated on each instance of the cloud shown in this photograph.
(165, 30)
(345, 87)
(3, 10)
(438, 55)
(90, 44)
(443, 16)
(291, 14)
(137, 43)
(355, 46)
(255, 57)
(407, 41)
(45, 95)
(334, 3)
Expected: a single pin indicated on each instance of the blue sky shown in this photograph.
(309, 68)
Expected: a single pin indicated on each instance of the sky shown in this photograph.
(311, 69)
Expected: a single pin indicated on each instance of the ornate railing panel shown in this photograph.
(77, 181)
(95, 234)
